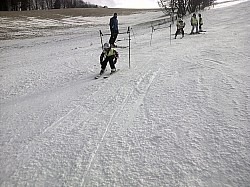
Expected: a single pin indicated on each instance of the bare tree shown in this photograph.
(181, 7)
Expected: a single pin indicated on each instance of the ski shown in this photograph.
(196, 33)
(98, 76)
(107, 76)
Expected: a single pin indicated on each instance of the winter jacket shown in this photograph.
(113, 24)
(110, 53)
(194, 21)
(180, 24)
(200, 21)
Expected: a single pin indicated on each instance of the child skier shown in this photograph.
(111, 56)
(200, 23)
(194, 24)
(180, 27)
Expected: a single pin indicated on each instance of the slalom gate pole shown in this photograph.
(151, 34)
(132, 32)
(170, 34)
(101, 38)
(129, 47)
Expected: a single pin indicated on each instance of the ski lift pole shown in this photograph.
(101, 38)
(129, 46)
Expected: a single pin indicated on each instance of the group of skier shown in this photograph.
(195, 23)
(111, 55)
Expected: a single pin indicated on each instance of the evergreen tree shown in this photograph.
(57, 4)
(4, 5)
(17, 5)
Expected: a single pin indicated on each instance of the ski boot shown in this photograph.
(112, 71)
(102, 71)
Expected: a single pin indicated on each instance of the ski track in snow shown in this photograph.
(141, 90)
(179, 117)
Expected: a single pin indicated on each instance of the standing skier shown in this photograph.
(200, 23)
(111, 56)
(180, 27)
(113, 24)
(194, 24)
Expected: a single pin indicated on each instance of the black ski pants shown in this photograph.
(111, 60)
(113, 37)
(179, 31)
(200, 29)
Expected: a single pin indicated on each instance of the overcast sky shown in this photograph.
(126, 3)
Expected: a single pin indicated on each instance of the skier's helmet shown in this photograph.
(106, 46)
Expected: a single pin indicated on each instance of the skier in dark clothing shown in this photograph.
(111, 56)
(200, 23)
(113, 29)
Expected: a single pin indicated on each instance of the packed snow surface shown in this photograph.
(179, 116)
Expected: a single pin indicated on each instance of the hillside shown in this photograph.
(30, 24)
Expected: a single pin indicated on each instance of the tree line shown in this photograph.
(182, 7)
(23, 5)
